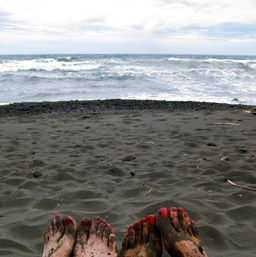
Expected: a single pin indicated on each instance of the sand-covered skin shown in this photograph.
(71, 164)
(60, 237)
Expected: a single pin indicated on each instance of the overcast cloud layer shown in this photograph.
(128, 26)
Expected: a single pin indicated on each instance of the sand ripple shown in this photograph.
(73, 165)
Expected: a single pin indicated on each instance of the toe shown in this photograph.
(55, 227)
(137, 229)
(186, 220)
(187, 224)
(151, 221)
(112, 241)
(95, 224)
(194, 229)
(101, 229)
(125, 242)
(154, 235)
(144, 230)
(70, 225)
(57, 224)
(106, 233)
(163, 220)
(182, 219)
(131, 237)
(175, 220)
(83, 230)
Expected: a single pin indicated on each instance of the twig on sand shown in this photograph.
(149, 191)
(228, 123)
(245, 187)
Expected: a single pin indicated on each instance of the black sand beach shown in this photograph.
(67, 157)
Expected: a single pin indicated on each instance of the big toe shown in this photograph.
(163, 220)
(70, 225)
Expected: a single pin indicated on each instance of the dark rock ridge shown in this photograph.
(98, 106)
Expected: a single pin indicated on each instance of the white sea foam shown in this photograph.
(159, 77)
(46, 65)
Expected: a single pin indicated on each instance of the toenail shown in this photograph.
(174, 209)
(85, 223)
(163, 212)
(112, 233)
(97, 218)
(108, 226)
(57, 216)
(180, 209)
(192, 222)
(103, 221)
(143, 220)
(131, 227)
(151, 220)
(68, 221)
(126, 234)
(137, 223)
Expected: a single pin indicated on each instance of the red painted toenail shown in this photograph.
(57, 216)
(180, 209)
(185, 214)
(137, 223)
(143, 220)
(108, 226)
(131, 227)
(103, 221)
(163, 212)
(126, 234)
(68, 221)
(113, 233)
(85, 223)
(174, 209)
(97, 218)
(151, 220)
(192, 222)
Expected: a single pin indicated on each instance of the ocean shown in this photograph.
(36, 78)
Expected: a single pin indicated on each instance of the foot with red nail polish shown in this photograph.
(142, 239)
(60, 237)
(95, 238)
(179, 234)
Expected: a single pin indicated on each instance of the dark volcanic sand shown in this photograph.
(66, 157)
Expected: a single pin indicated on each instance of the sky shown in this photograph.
(128, 26)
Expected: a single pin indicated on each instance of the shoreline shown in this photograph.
(111, 105)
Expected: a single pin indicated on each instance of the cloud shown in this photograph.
(126, 20)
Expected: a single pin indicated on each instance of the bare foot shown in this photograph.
(179, 234)
(95, 239)
(142, 239)
(60, 237)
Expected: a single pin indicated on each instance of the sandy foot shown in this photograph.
(142, 239)
(60, 237)
(179, 234)
(95, 239)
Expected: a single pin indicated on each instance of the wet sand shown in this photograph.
(67, 157)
